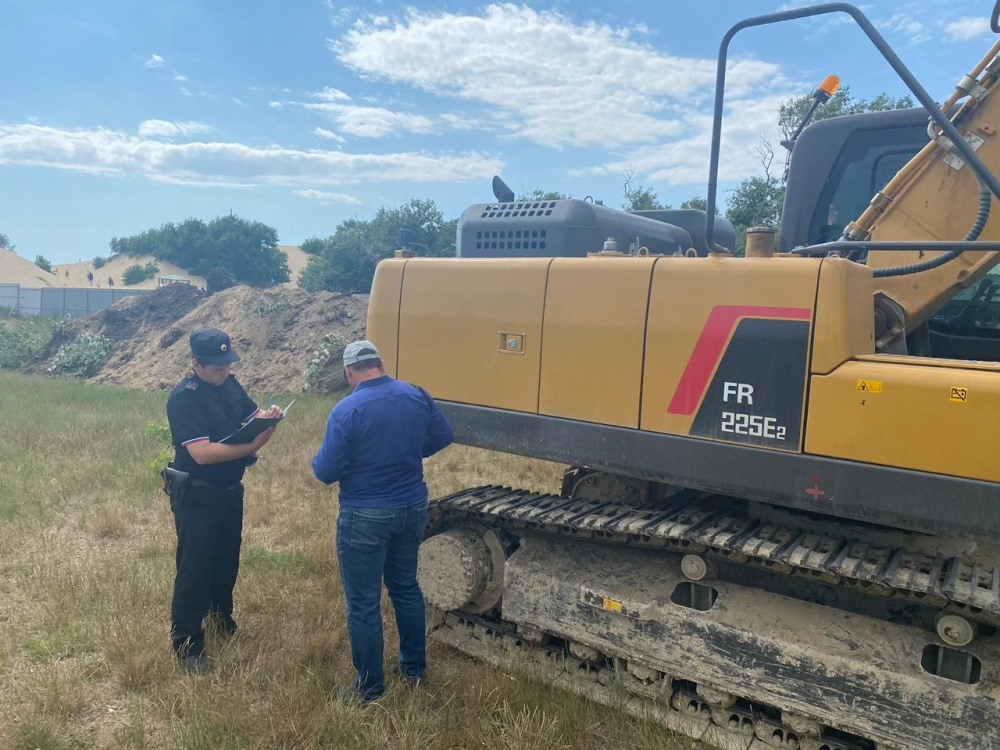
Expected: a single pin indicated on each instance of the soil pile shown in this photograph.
(275, 332)
(146, 314)
(127, 322)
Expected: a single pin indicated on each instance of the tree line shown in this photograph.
(246, 250)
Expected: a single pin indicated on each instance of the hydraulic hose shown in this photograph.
(985, 201)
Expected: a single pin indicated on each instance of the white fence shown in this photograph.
(60, 301)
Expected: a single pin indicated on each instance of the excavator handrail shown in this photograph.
(939, 117)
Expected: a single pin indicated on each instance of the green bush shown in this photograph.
(99, 261)
(83, 356)
(331, 346)
(247, 249)
(14, 350)
(345, 261)
(160, 433)
(136, 274)
(42, 262)
(280, 303)
(21, 338)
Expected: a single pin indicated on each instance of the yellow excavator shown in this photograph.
(780, 527)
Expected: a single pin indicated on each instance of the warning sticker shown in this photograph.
(960, 395)
(870, 386)
(612, 605)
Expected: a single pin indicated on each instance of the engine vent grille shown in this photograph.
(525, 209)
(511, 239)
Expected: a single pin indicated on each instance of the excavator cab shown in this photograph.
(835, 168)
(837, 165)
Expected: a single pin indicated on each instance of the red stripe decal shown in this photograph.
(711, 343)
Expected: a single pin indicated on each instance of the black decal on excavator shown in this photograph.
(756, 394)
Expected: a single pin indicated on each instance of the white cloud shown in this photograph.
(685, 161)
(966, 28)
(322, 197)
(103, 151)
(329, 135)
(905, 25)
(168, 129)
(544, 77)
(460, 122)
(154, 61)
(341, 17)
(331, 95)
(372, 122)
(180, 78)
(236, 101)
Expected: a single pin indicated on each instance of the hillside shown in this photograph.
(15, 269)
(276, 333)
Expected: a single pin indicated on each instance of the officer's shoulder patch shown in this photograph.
(191, 385)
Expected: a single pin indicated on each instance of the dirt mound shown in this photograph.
(143, 315)
(275, 333)
(131, 320)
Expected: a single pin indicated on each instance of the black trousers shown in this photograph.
(209, 525)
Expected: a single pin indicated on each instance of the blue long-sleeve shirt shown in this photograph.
(376, 440)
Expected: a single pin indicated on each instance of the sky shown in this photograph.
(119, 115)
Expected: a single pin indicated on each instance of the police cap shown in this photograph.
(211, 346)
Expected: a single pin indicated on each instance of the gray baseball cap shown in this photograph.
(359, 351)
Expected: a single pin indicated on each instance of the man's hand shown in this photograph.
(273, 412)
(261, 440)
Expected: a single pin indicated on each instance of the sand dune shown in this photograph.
(17, 270)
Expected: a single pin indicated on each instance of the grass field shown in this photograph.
(86, 566)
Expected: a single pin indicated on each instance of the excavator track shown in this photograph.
(550, 584)
(717, 719)
(931, 578)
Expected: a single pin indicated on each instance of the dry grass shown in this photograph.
(86, 563)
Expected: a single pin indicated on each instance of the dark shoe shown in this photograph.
(412, 680)
(352, 697)
(224, 625)
(200, 664)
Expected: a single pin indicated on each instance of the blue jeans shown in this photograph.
(376, 544)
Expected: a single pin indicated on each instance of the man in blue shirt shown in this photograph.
(375, 443)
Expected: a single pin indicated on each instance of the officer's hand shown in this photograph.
(261, 439)
(274, 411)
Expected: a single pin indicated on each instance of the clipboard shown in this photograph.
(254, 427)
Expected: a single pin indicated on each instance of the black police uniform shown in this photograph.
(209, 517)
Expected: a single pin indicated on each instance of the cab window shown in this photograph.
(869, 159)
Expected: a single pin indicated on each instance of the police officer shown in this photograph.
(208, 405)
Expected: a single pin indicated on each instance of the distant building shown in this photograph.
(172, 279)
